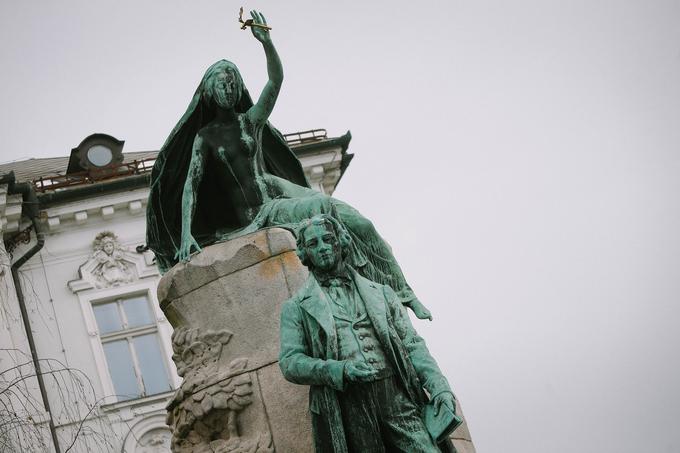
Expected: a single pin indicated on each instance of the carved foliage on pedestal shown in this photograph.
(204, 411)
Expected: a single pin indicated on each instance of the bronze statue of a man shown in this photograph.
(351, 340)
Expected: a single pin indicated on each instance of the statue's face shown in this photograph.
(225, 88)
(108, 247)
(321, 246)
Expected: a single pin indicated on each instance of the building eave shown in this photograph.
(325, 161)
(49, 199)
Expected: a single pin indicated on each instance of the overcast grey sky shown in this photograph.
(522, 158)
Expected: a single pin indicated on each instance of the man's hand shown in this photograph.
(444, 399)
(357, 371)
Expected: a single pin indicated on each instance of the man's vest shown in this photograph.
(356, 336)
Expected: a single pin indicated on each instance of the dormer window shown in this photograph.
(99, 155)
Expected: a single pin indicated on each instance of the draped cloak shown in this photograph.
(214, 220)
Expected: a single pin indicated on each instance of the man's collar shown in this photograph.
(337, 277)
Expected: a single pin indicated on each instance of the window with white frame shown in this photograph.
(129, 336)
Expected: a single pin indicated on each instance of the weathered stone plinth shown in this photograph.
(225, 305)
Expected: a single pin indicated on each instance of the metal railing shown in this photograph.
(312, 135)
(138, 167)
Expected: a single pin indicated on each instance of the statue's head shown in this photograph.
(222, 85)
(105, 241)
(108, 246)
(322, 242)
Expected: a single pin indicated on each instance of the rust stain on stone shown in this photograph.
(270, 268)
(291, 261)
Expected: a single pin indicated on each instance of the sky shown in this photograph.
(522, 158)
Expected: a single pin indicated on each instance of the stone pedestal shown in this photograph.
(225, 305)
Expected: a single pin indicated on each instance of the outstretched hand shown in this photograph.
(261, 34)
(184, 253)
(357, 371)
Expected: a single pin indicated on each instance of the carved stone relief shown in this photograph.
(155, 441)
(111, 265)
(111, 269)
(149, 433)
(204, 413)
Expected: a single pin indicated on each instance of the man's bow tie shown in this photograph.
(334, 280)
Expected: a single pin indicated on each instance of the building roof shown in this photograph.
(46, 167)
(35, 168)
(324, 161)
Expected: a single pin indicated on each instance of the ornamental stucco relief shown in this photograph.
(110, 264)
(155, 441)
(111, 268)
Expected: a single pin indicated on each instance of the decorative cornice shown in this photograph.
(104, 207)
(323, 168)
(10, 211)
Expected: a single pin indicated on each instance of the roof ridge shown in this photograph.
(14, 161)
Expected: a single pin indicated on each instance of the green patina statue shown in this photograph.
(351, 340)
(225, 171)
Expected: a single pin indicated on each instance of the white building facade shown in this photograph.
(85, 356)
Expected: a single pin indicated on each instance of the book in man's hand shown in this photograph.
(440, 426)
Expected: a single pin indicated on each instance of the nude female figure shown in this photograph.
(225, 171)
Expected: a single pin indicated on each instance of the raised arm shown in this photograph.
(194, 176)
(259, 113)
